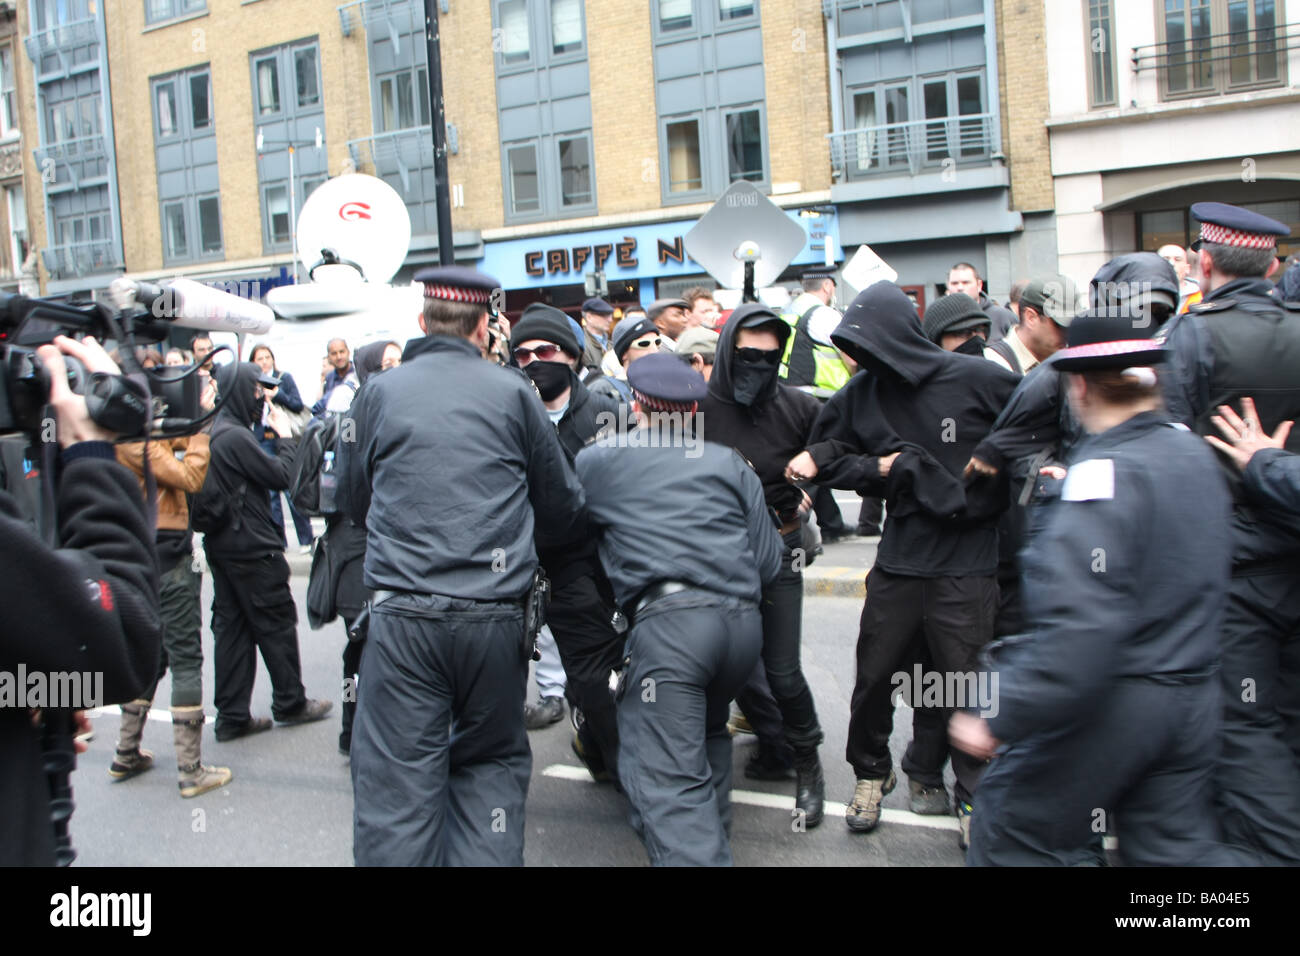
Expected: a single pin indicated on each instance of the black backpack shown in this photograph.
(215, 508)
(318, 444)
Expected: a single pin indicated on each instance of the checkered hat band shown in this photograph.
(1223, 236)
(1098, 349)
(650, 404)
(455, 294)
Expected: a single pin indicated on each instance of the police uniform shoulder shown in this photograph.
(1291, 306)
(1214, 305)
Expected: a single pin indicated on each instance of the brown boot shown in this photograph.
(187, 730)
(130, 760)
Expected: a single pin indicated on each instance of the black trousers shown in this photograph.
(1258, 780)
(352, 652)
(440, 757)
(870, 514)
(827, 510)
(1046, 800)
(581, 616)
(953, 619)
(253, 611)
(689, 653)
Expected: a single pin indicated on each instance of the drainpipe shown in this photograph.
(833, 66)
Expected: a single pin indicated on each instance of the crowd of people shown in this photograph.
(1046, 534)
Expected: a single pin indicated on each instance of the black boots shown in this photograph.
(809, 788)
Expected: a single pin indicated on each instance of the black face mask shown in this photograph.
(749, 380)
(551, 378)
(972, 346)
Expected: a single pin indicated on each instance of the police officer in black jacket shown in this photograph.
(1108, 706)
(252, 606)
(1238, 341)
(749, 409)
(91, 605)
(581, 612)
(453, 466)
(693, 603)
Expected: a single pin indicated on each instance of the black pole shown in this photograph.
(442, 191)
(747, 294)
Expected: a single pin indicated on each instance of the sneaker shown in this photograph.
(310, 711)
(964, 811)
(863, 813)
(764, 766)
(545, 712)
(254, 725)
(739, 724)
(928, 801)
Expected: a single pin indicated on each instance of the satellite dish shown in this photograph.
(744, 225)
(362, 219)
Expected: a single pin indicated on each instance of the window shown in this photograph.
(8, 99)
(304, 68)
(165, 108)
(174, 231)
(684, 173)
(277, 214)
(524, 194)
(675, 15)
(17, 226)
(566, 26)
(514, 42)
(1218, 46)
(398, 95)
(575, 172)
(268, 86)
(200, 101)
(155, 11)
(1101, 57)
(735, 9)
(744, 147)
(309, 185)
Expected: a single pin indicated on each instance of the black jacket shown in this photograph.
(931, 406)
(771, 431)
(453, 467)
(1272, 483)
(239, 461)
(288, 394)
(91, 606)
(1104, 596)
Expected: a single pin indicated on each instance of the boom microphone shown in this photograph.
(193, 305)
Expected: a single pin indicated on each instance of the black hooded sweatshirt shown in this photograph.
(931, 406)
(238, 460)
(769, 432)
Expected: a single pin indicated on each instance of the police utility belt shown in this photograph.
(660, 589)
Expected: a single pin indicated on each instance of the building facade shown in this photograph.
(18, 269)
(1158, 105)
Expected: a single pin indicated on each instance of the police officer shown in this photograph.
(452, 465)
(691, 579)
(1239, 341)
(1119, 636)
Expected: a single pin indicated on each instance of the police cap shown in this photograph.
(1225, 225)
(662, 382)
(818, 272)
(1099, 340)
(457, 284)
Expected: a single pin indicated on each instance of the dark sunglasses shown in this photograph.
(544, 353)
(766, 356)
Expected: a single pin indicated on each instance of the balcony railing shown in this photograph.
(62, 37)
(81, 258)
(399, 153)
(912, 148)
(1218, 62)
(69, 163)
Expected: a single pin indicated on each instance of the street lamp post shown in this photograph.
(292, 146)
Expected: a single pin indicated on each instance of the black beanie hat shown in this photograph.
(952, 313)
(545, 322)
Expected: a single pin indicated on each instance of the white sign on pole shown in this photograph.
(866, 268)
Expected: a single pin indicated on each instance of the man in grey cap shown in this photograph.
(669, 316)
(1047, 307)
(697, 347)
(956, 323)
(597, 316)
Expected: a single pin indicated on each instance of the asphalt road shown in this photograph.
(290, 802)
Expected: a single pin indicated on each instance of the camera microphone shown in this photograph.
(193, 305)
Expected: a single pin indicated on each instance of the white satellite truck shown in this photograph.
(353, 235)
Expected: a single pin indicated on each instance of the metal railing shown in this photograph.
(61, 37)
(912, 147)
(81, 258)
(68, 163)
(1191, 65)
(399, 152)
(83, 147)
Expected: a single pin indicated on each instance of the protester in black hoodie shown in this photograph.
(905, 428)
(769, 422)
(252, 607)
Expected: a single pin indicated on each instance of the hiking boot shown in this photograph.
(547, 711)
(311, 710)
(130, 759)
(810, 789)
(193, 778)
(964, 811)
(863, 813)
(928, 801)
(254, 725)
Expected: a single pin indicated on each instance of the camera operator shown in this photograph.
(90, 605)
